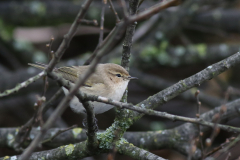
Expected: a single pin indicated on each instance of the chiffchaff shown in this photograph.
(109, 80)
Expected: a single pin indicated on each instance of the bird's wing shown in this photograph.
(73, 73)
(68, 73)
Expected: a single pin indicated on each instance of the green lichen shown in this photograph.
(76, 132)
(105, 139)
(120, 126)
(69, 149)
(6, 157)
(183, 83)
(121, 142)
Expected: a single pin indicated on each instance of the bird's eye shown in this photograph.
(118, 75)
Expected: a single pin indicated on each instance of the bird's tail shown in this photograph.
(38, 65)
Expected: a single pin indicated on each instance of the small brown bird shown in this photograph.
(109, 80)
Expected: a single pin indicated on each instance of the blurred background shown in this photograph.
(168, 47)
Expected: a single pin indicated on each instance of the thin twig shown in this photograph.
(231, 144)
(131, 150)
(228, 141)
(128, 40)
(61, 107)
(58, 132)
(85, 21)
(162, 114)
(27, 126)
(25, 130)
(84, 96)
(152, 10)
(199, 128)
(229, 155)
(102, 22)
(45, 80)
(216, 119)
(114, 11)
(124, 6)
(50, 56)
(23, 84)
(49, 46)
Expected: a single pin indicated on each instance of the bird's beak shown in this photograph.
(132, 78)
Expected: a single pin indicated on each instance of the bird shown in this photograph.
(109, 80)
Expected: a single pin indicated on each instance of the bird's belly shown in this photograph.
(77, 106)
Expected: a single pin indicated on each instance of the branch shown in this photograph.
(92, 142)
(176, 89)
(70, 151)
(58, 133)
(122, 25)
(27, 126)
(102, 22)
(23, 84)
(157, 83)
(163, 114)
(61, 107)
(153, 10)
(176, 138)
(180, 87)
(136, 153)
(127, 43)
(114, 11)
(143, 109)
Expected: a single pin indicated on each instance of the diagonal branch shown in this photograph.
(162, 114)
(176, 89)
(23, 84)
(136, 153)
(127, 43)
(143, 109)
(61, 107)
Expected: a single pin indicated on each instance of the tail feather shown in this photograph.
(38, 65)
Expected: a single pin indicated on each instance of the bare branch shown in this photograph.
(23, 84)
(59, 132)
(61, 107)
(114, 11)
(135, 152)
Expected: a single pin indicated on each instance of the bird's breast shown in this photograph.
(118, 90)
